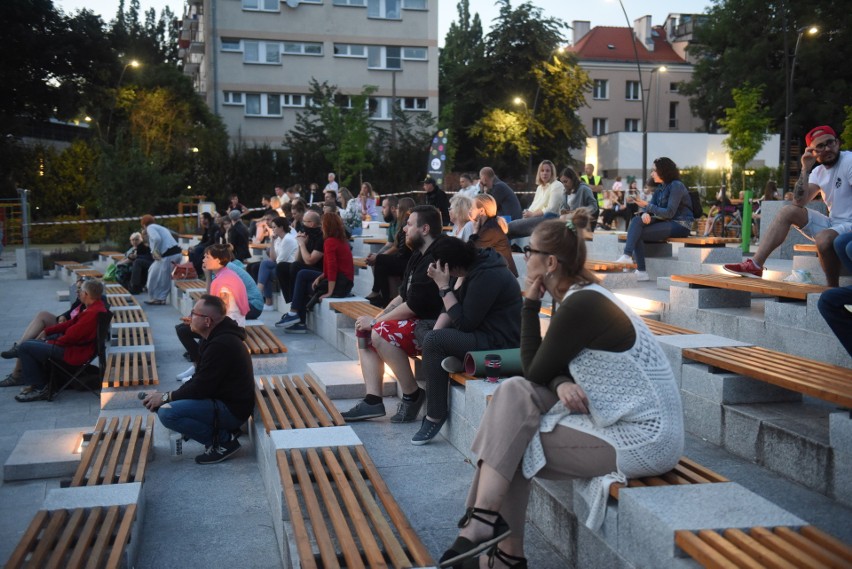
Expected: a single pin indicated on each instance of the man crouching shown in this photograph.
(219, 397)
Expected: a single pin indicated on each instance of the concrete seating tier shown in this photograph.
(806, 547)
(130, 369)
(261, 340)
(793, 291)
(117, 452)
(294, 402)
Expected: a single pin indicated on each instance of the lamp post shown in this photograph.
(132, 63)
(645, 105)
(520, 101)
(788, 103)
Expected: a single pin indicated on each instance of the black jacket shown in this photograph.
(507, 201)
(417, 289)
(224, 371)
(238, 236)
(437, 198)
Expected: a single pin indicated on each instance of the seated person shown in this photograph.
(578, 194)
(219, 397)
(721, 207)
(546, 202)
(308, 255)
(238, 236)
(73, 341)
(390, 261)
(283, 250)
(462, 226)
(128, 274)
(392, 332)
(620, 207)
(572, 415)
(482, 311)
(489, 230)
(209, 229)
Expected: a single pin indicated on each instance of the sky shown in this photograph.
(598, 12)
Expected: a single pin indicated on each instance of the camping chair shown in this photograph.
(60, 371)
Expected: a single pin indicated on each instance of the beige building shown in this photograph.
(253, 60)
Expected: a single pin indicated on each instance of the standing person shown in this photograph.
(238, 236)
(392, 333)
(331, 186)
(308, 255)
(219, 397)
(467, 186)
(507, 201)
(489, 230)
(165, 251)
(235, 205)
(594, 182)
(283, 250)
(392, 258)
(668, 214)
(437, 198)
(579, 194)
(547, 202)
(571, 415)
(826, 171)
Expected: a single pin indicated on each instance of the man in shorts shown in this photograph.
(392, 332)
(827, 171)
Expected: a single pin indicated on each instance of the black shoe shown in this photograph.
(463, 548)
(217, 453)
(428, 431)
(11, 353)
(363, 410)
(408, 410)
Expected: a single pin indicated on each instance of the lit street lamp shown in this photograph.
(520, 101)
(788, 105)
(132, 63)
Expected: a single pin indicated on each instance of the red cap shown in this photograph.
(818, 131)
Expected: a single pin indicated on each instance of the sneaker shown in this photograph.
(287, 320)
(363, 411)
(34, 394)
(11, 353)
(746, 269)
(799, 276)
(10, 381)
(642, 276)
(268, 307)
(217, 453)
(186, 375)
(427, 432)
(452, 364)
(297, 328)
(625, 259)
(407, 411)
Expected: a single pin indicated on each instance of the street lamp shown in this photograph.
(132, 63)
(520, 101)
(788, 105)
(645, 103)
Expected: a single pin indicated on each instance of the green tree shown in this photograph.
(68, 180)
(747, 124)
(503, 134)
(846, 135)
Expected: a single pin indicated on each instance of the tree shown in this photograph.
(747, 124)
(846, 135)
(503, 136)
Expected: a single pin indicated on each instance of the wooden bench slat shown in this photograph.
(755, 550)
(701, 241)
(105, 533)
(608, 266)
(298, 398)
(84, 541)
(686, 471)
(28, 540)
(69, 534)
(355, 309)
(785, 549)
(122, 537)
(297, 519)
(797, 540)
(703, 552)
(805, 247)
(795, 291)
(662, 329)
(113, 454)
(274, 342)
(828, 542)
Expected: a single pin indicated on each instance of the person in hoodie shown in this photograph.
(482, 311)
(219, 397)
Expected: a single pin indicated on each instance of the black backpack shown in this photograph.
(697, 208)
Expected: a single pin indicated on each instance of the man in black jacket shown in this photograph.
(219, 397)
(436, 197)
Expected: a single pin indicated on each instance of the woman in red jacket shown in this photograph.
(73, 341)
(337, 268)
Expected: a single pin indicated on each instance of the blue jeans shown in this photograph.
(302, 291)
(265, 274)
(832, 307)
(33, 355)
(194, 418)
(843, 248)
(656, 231)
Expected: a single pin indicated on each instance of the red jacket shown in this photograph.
(337, 258)
(78, 335)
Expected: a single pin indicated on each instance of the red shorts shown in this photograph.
(399, 333)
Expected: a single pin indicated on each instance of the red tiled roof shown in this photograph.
(594, 46)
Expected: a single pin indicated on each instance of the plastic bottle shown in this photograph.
(176, 445)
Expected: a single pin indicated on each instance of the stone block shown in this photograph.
(674, 345)
(742, 433)
(113, 398)
(550, 510)
(269, 364)
(715, 255)
(685, 298)
(28, 264)
(840, 431)
(604, 246)
(314, 438)
(593, 550)
(618, 280)
(791, 314)
(457, 398)
(460, 433)
(702, 417)
(476, 395)
(731, 389)
(650, 516)
(49, 453)
(794, 455)
(343, 380)
(840, 484)
(347, 342)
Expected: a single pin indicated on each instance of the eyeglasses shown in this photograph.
(823, 145)
(528, 251)
(194, 313)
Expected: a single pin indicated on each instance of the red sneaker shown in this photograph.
(745, 269)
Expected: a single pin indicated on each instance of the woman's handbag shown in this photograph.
(183, 271)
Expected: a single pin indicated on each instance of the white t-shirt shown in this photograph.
(285, 248)
(331, 187)
(836, 186)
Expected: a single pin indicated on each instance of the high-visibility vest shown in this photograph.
(597, 182)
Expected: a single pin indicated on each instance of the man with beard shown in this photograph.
(832, 177)
(392, 259)
(308, 256)
(392, 333)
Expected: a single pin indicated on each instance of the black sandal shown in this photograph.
(463, 548)
(510, 561)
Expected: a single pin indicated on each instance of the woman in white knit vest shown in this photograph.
(598, 402)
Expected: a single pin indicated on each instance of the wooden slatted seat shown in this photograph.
(187, 284)
(608, 266)
(686, 472)
(356, 308)
(117, 452)
(805, 248)
(662, 329)
(196, 295)
(261, 340)
(64, 264)
(806, 548)
(134, 336)
(115, 289)
(88, 273)
(294, 402)
(342, 512)
(132, 369)
(122, 300)
(375, 241)
(701, 241)
(129, 316)
(802, 375)
(793, 291)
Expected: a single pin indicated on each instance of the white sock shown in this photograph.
(292, 314)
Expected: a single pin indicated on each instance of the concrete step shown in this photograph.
(343, 380)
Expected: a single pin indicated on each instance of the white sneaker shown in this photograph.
(625, 259)
(799, 276)
(185, 376)
(268, 307)
(642, 276)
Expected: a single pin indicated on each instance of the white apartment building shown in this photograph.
(253, 60)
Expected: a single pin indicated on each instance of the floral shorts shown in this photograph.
(399, 333)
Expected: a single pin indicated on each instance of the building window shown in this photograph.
(310, 1)
(415, 53)
(349, 50)
(230, 44)
(414, 4)
(258, 105)
(414, 104)
(360, 3)
(599, 127)
(302, 48)
(264, 52)
(262, 5)
(380, 57)
(232, 98)
(674, 87)
(299, 101)
(673, 115)
(632, 92)
(384, 9)
(379, 108)
(631, 125)
(601, 89)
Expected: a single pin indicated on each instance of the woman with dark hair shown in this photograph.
(338, 273)
(208, 237)
(668, 214)
(598, 402)
(579, 194)
(391, 264)
(282, 250)
(546, 202)
(489, 230)
(482, 311)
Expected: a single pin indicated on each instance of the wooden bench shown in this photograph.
(608, 266)
(131, 369)
(122, 300)
(337, 500)
(662, 329)
(132, 336)
(261, 340)
(115, 289)
(802, 375)
(294, 402)
(781, 290)
(88, 273)
(129, 316)
(806, 547)
(805, 248)
(187, 284)
(355, 309)
(117, 452)
(701, 241)
(685, 472)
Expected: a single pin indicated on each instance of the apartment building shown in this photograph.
(253, 60)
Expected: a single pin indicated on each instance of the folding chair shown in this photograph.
(60, 371)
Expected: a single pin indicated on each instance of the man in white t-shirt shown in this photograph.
(331, 186)
(832, 178)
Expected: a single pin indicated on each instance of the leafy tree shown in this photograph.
(846, 135)
(747, 124)
(69, 179)
(399, 165)
(503, 134)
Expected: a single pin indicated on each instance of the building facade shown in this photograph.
(253, 60)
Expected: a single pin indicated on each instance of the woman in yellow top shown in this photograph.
(548, 199)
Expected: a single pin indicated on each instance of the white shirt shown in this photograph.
(331, 187)
(835, 184)
(285, 248)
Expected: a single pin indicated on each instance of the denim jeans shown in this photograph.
(194, 418)
(302, 291)
(656, 231)
(832, 307)
(843, 248)
(265, 274)
(33, 355)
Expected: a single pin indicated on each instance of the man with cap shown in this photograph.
(238, 236)
(436, 197)
(827, 171)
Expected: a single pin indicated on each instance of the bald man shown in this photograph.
(308, 256)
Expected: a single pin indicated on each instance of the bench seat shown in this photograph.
(294, 402)
(708, 241)
(117, 452)
(608, 266)
(186, 284)
(658, 328)
(805, 248)
(133, 336)
(685, 472)
(129, 316)
(131, 369)
(110, 288)
(122, 300)
(261, 340)
(785, 290)
(88, 273)
(355, 309)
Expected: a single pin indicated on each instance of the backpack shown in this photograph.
(697, 208)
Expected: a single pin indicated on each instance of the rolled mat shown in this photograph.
(474, 362)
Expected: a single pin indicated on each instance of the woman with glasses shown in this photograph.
(668, 214)
(598, 402)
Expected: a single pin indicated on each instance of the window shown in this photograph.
(262, 5)
(632, 91)
(349, 50)
(232, 98)
(674, 87)
(294, 100)
(230, 44)
(414, 104)
(385, 9)
(414, 4)
(379, 108)
(415, 53)
(310, 1)
(361, 3)
(379, 57)
(259, 105)
(302, 48)
(601, 89)
(599, 127)
(261, 52)
(673, 115)
(631, 125)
